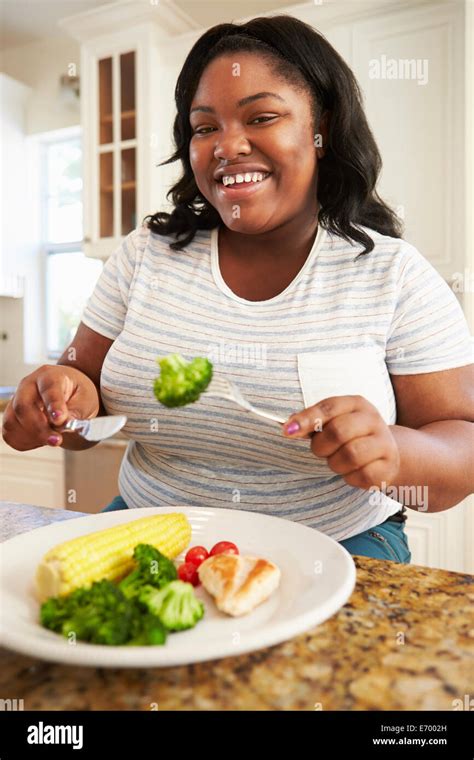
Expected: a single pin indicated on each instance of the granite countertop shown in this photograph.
(403, 641)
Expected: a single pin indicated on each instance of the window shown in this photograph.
(70, 276)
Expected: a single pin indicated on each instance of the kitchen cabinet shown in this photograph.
(85, 481)
(116, 149)
(124, 125)
(443, 539)
(35, 477)
(91, 476)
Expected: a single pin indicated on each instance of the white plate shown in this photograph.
(318, 576)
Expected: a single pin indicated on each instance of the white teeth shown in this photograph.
(232, 179)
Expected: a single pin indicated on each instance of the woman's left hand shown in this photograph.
(351, 435)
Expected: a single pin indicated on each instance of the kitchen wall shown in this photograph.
(40, 65)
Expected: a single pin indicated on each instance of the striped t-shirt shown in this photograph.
(342, 326)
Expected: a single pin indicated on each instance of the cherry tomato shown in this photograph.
(196, 555)
(224, 547)
(187, 572)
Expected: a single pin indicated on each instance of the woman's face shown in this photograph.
(235, 132)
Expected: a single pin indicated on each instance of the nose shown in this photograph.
(231, 145)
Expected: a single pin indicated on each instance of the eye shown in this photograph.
(267, 118)
(200, 130)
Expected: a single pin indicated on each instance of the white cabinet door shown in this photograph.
(32, 477)
(111, 176)
(443, 539)
(410, 65)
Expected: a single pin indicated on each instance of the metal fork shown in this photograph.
(220, 387)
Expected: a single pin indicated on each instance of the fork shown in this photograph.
(220, 387)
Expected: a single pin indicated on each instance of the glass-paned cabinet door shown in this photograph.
(106, 125)
(117, 146)
(106, 200)
(127, 96)
(128, 188)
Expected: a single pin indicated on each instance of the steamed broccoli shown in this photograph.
(147, 629)
(176, 605)
(181, 382)
(102, 614)
(153, 569)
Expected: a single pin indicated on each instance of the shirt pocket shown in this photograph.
(352, 372)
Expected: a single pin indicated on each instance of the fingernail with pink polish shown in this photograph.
(293, 427)
(53, 440)
(55, 415)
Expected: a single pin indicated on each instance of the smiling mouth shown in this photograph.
(242, 188)
(249, 178)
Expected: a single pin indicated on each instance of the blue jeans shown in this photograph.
(116, 503)
(386, 541)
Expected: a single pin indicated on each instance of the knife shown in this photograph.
(97, 428)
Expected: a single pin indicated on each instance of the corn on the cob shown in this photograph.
(108, 553)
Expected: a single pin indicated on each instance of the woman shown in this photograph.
(280, 262)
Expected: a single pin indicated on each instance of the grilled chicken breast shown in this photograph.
(238, 584)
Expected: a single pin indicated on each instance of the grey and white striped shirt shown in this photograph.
(343, 325)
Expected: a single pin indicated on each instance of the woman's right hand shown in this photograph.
(48, 397)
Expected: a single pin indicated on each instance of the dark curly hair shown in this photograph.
(348, 172)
